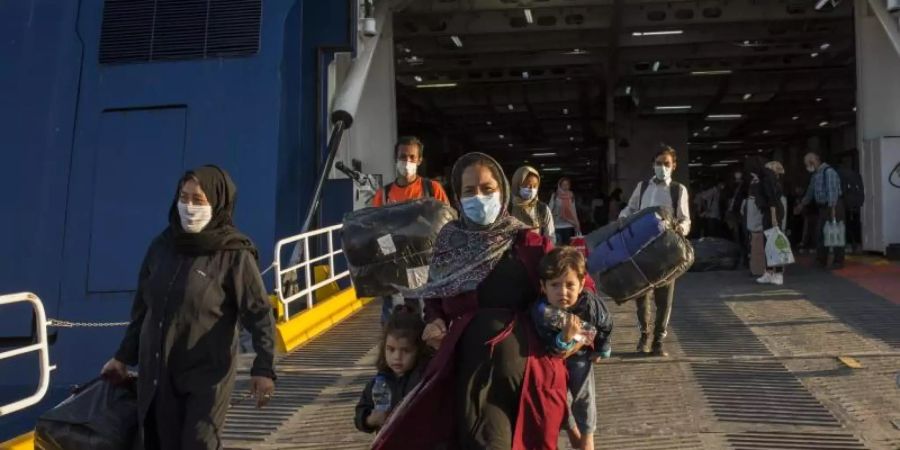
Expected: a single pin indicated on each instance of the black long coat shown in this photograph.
(183, 329)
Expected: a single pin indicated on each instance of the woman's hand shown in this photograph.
(434, 333)
(376, 419)
(114, 371)
(572, 328)
(262, 388)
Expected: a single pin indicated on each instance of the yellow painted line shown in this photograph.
(23, 442)
(321, 318)
(850, 362)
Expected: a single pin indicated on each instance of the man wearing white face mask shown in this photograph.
(408, 186)
(659, 191)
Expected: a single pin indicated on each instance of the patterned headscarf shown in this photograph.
(465, 252)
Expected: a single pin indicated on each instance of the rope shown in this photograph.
(67, 324)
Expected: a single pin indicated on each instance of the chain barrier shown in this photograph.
(67, 324)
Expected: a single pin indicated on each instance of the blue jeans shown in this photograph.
(581, 393)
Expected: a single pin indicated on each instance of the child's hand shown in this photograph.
(376, 419)
(573, 327)
(434, 333)
(574, 437)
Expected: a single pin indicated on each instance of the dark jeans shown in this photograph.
(564, 235)
(663, 297)
(821, 250)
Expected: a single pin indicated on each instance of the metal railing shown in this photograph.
(302, 267)
(41, 346)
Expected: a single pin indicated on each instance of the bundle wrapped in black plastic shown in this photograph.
(98, 416)
(391, 246)
(630, 256)
(715, 254)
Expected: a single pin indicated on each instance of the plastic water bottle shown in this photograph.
(556, 318)
(381, 394)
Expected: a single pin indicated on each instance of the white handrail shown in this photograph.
(305, 263)
(41, 347)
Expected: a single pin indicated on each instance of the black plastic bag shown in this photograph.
(715, 254)
(392, 245)
(97, 416)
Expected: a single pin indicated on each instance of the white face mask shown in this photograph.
(527, 193)
(406, 168)
(663, 173)
(482, 209)
(194, 218)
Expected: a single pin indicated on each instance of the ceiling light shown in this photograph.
(576, 149)
(718, 165)
(456, 40)
(795, 118)
(436, 85)
(576, 51)
(528, 17)
(510, 107)
(759, 150)
(525, 74)
(569, 127)
(765, 131)
(854, 109)
(821, 4)
(565, 110)
(544, 154)
(417, 78)
(489, 123)
(711, 72)
(824, 46)
(814, 54)
(823, 123)
(706, 128)
(724, 116)
(552, 169)
(655, 66)
(510, 145)
(672, 107)
(571, 138)
(695, 165)
(818, 99)
(627, 90)
(747, 96)
(501, 136)
(407, 50)
(657, 33)
(696, 134)
(715, 146)
(729, 161)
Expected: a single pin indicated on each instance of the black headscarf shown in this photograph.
(220, 233)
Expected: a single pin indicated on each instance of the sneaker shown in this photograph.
(765, 279)
(658, 350)
(777, 279)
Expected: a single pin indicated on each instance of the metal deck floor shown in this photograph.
(751, 367)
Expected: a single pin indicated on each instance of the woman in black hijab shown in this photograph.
(198, 279)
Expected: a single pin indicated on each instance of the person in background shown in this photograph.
(766, 191)
(709, 210)
(660, 190)
(600, 209)
(563, 276)
(525, 204)
(565, 212)
(409, 153)
(825, 190)
(198, 279)
(402, 356)
(615, 204)
(735, 193)
(797, 224)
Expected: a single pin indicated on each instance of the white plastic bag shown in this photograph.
(778, 248)
(834, 234)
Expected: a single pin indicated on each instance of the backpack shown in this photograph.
(852, 189)
(427, 190)
(674, 191)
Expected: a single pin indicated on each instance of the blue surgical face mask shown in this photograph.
(527, 193)
(663, 173)
(482, 209)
